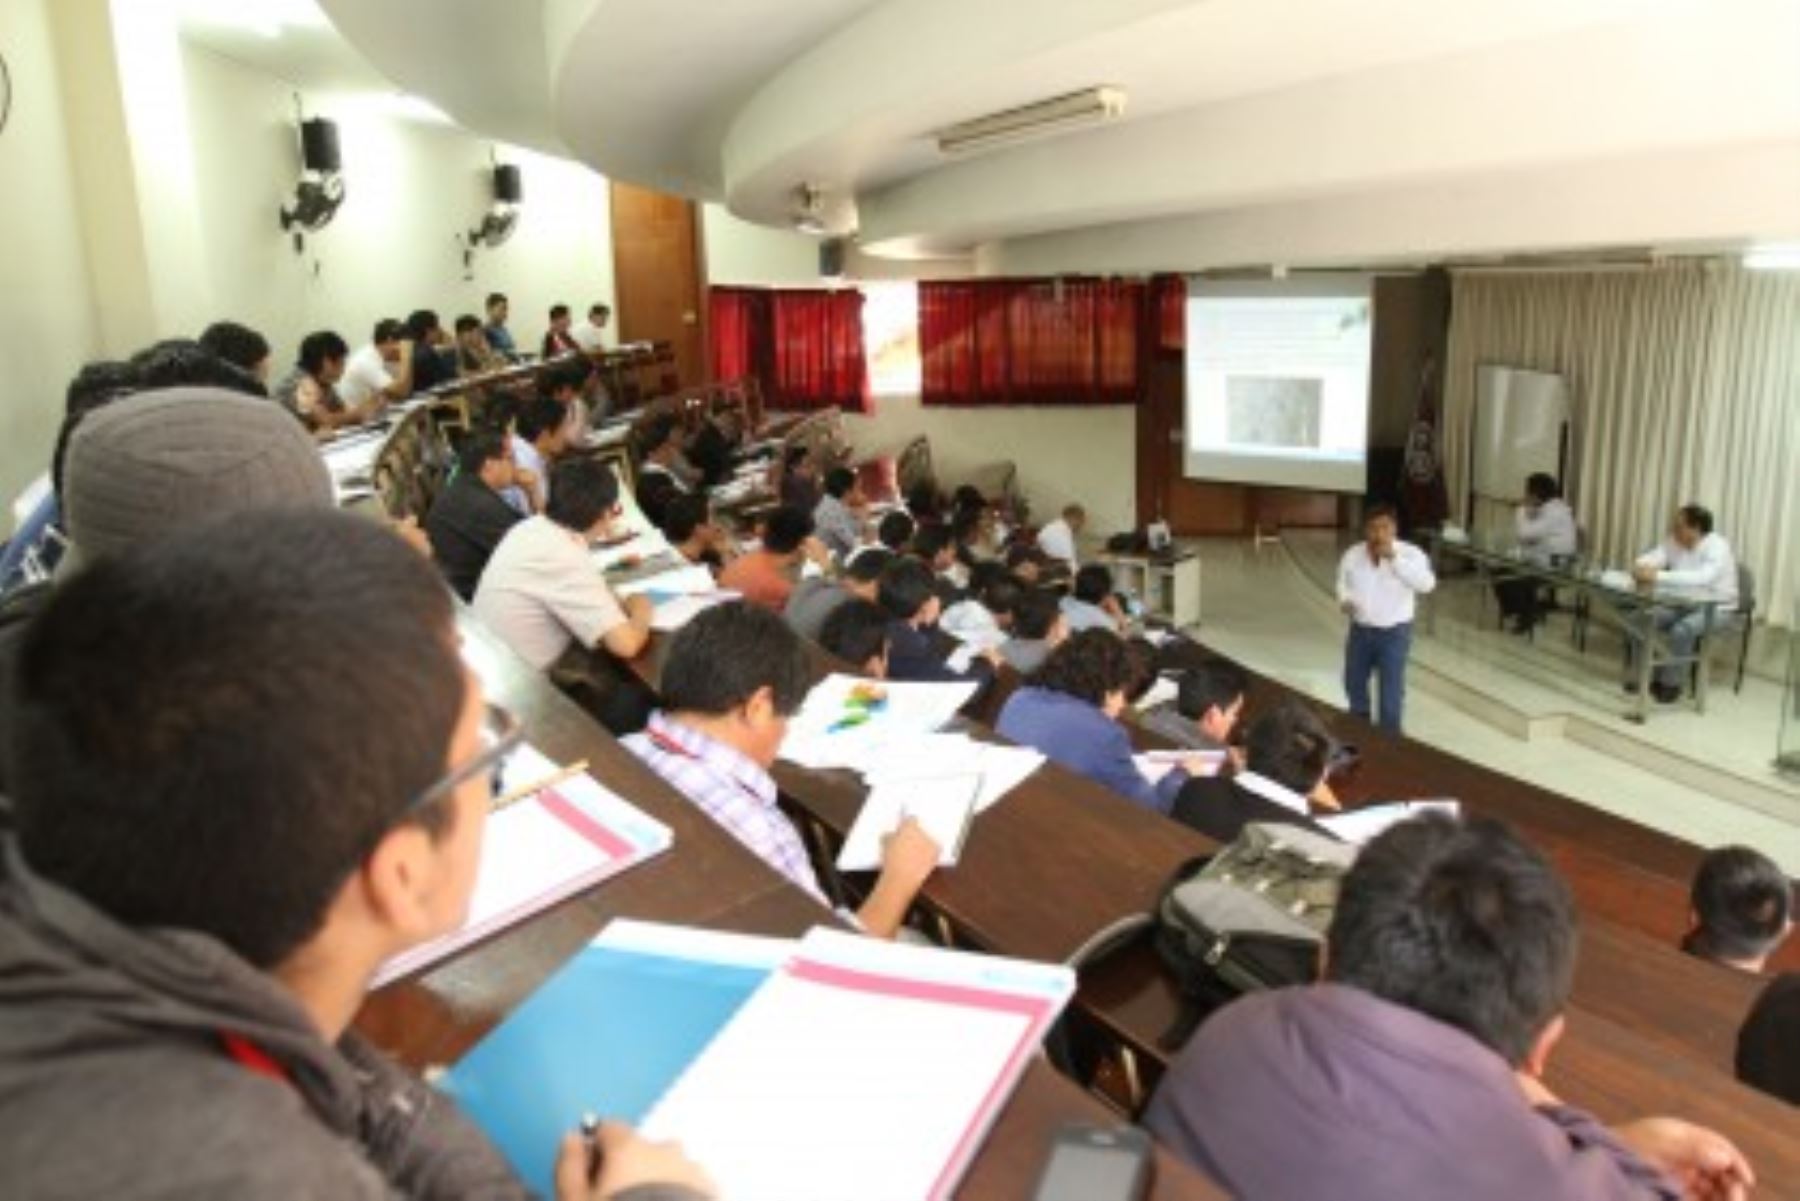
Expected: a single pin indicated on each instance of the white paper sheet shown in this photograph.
(943, 805)
(1360, 826)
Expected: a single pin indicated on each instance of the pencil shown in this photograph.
(536, 786)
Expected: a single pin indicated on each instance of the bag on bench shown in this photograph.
(1249, 918)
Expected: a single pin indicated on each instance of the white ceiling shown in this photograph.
(1233, 103)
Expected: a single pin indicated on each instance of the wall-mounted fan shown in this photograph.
(320, 192)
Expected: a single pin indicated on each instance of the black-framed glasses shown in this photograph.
(500, 734)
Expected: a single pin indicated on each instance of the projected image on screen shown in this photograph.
(1268, 411)
(1278, 381)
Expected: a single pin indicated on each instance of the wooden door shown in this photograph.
(656, 274)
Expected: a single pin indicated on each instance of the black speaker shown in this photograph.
(319, 146)
(509, 186)
(832, 252)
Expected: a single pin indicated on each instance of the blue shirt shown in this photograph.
(500, 341)
(32, 535)
(1085, 740)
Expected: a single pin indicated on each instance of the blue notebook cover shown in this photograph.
(607, 1035)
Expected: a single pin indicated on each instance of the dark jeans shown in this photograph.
(1380, 652)
(1518, 596)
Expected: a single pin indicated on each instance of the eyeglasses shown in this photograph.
(500, 734)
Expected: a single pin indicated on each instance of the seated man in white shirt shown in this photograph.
(1692, 560)
(1545, 528)
(381, 371)
(590, 335)
(1058, 538)
(1091, 604)
(1379, 581)
(542, 595)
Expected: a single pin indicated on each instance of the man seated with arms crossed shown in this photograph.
(857, 633)
(813, 601)
(1416, 1069)
(542, 595)
(1692, 560)
(765, 576)
(734, 676)
(468, 521)
(1743, 906)
(1209, 699)
(310, 390)
(1545, 528)
(380, 372)
(207, 870)
(1287, 755)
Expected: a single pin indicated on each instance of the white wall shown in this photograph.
(1063, 455)
(47, 324)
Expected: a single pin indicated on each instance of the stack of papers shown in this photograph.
(1154, 765)
(674, 612)
(1162, 692)
(539, 851)
(846, 720)
(1360, 826)
(678, 578)
(944, 806)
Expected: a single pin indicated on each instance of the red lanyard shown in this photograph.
(664, 742)
(253, 1057)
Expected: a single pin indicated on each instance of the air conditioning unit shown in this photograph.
(1059, 114)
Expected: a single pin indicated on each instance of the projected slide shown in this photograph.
(1278, 381)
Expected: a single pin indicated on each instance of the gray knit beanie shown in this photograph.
(148, 464)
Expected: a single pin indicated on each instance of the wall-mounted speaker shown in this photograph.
(509, 186)
(319, 146)
(832, 253)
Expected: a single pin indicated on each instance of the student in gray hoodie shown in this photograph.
(1417, 1069)
(209, 863)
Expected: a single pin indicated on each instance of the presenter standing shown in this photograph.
(1379, 582)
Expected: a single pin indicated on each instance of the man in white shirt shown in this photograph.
(1545, 528)
(1379, 581)
(379, 372)
(1058, 538)
(1694, 561)
(590, 335)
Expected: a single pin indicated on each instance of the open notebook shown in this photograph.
(541, 850)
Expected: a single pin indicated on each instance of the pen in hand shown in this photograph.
(590, 1135)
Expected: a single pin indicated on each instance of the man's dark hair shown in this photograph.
(540, 415)
(720, 658)
(483, 445)
(856, 631)
(1697, 517)
(922, 501)
(1461, 921)
(1024, 552)
(217, 793)
(867, 565)
(982, 575)
(1380, 508)
(238, 345)
(387, 330)
(1093, 584)
(94, 386)
(930, 541)
(1142, 653)
(1002, 594)
(495, 298)
(1036, 612)
(467, 322)
(839, 481)
(966, 497)
(1542, 486)
(655, 433)
(569, 373)
(421, 323)
(906, 586)
(184, 363)
(1214, 684)
(1742, 901)
(795, 457)
(896, 530)
(558, 311)
(1289, 745)
(316, 349)
(599, 310)
(1088, 666)
(582, 491)
(785, 529)
(683, 513)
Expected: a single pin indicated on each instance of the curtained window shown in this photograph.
(1032, 342)
(1168, 298)
(804, 346)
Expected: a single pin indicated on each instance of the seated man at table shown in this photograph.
(1418, 1068)
(857, 633)
(1038, 628)
(799, 480)
(933, 547)
(590, 335)
(734, 676)
(1057, 539)
(1743, 905)
(984, 616)
(380, 372)
(239, 345)
(540, 436)
(910, 596)
(470, 517)
(1768, 1046)
(432, 360)
(473, 354)
(765, 576)
(1692, 560)
(1070, 711)
(543, 597)
(1209, 699)
(689, 526)
(1544, 527)
(896, 529)
(558, 339)
(1092, 605)
(310, 390)
(838, 515)
(499, 338)
(814, 600)
(659, 477)
(1287, 755)
(208, 869)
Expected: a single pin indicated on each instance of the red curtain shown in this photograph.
(804, 346)
(1032, 342)
(1169, 296)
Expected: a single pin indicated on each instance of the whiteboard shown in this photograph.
(1520, 420)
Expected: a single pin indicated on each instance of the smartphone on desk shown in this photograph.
(1094, 1163)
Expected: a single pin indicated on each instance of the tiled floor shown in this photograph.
(1261, 606)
